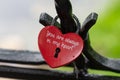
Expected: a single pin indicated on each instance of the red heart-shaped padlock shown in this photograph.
(59, 49)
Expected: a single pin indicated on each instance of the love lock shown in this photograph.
(59, 49)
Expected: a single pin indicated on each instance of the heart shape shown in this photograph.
(59, 49)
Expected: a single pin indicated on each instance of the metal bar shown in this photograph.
(40, 74)
(64, 11)
(21, 57)
(33, 74)
(96, 61)
(87, 24)
(47, 20)
(68, 24)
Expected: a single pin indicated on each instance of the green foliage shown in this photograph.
(105, 35)
(106, 73)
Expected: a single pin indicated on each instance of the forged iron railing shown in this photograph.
(90, 59)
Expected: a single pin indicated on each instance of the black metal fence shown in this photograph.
(90, 59)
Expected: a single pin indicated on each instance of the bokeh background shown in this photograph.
(19, 20)
(19, 23)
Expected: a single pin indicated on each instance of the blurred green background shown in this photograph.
(105, 35)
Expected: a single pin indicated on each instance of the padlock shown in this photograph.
(59, 49)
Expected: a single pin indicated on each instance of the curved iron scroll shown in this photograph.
(95, 60)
